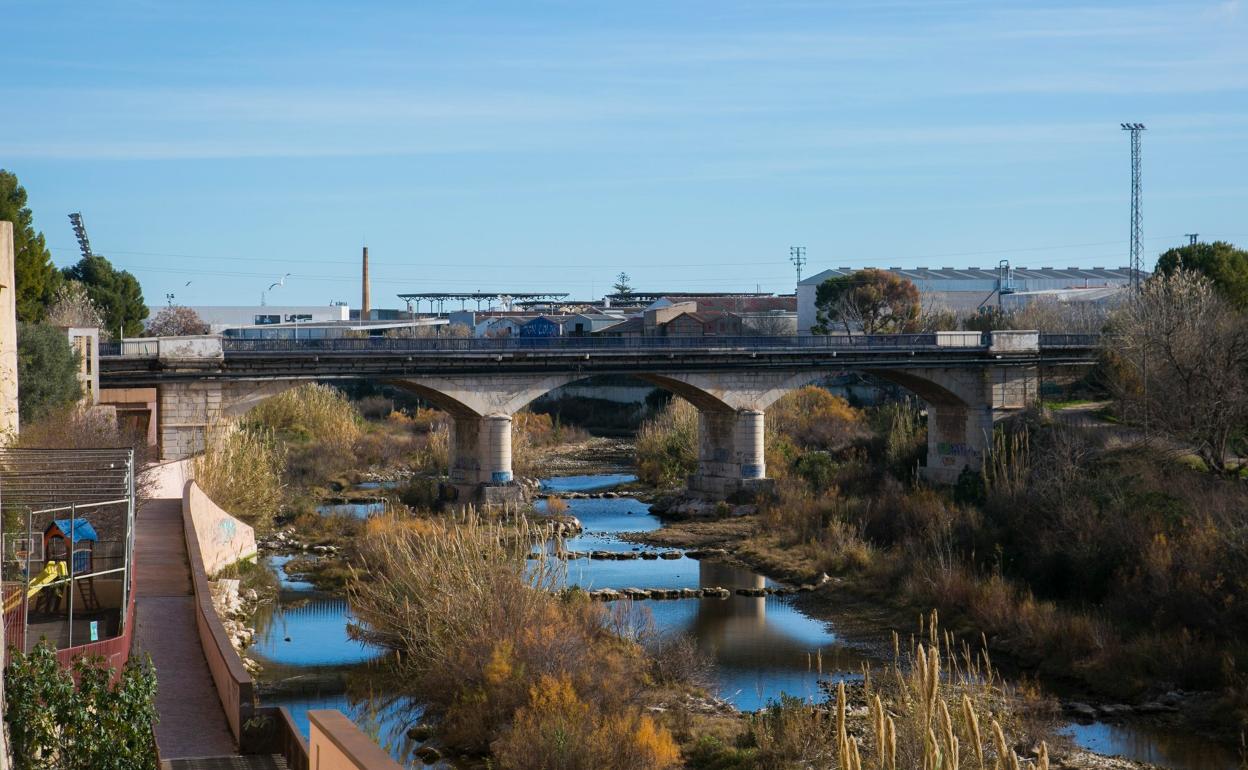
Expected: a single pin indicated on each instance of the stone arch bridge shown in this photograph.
(968, 380)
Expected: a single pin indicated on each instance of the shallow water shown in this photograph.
(360, 510)
(591, 483)
(1166, 748)
(761, 646)
(377, 485)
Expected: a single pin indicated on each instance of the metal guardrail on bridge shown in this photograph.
(855, 342)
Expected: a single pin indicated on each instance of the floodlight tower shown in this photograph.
(80, 232)
(797, 255)
(1137, 217)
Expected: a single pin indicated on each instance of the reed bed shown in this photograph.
(941, 706)
(241, 470)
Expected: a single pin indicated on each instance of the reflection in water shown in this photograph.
(360, 695)
(586, 483)
(1181, 751)
(360, 510)
(308, 632)
(761, 646)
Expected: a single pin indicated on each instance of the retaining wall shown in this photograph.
(234, 685)
(222, 538)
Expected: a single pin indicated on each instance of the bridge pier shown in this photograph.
(481, 450)
(731, 452)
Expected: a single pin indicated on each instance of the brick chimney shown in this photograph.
(364, 304)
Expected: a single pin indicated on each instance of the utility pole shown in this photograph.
(797, 255)
(1192, 238)
(1137, 217)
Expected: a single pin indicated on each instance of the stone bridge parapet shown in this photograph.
(968, 381)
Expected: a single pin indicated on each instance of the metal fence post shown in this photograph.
(73, 514)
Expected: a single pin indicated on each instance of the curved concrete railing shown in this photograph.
(335, 743)
(234, 685)
(223, 539)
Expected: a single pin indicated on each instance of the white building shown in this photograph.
(966, 290)
(222, 317)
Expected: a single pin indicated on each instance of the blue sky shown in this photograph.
(546, 146)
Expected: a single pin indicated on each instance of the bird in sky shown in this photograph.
(280, 282)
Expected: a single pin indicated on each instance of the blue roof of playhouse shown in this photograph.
(82, 529)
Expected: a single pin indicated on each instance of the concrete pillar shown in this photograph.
(481, 450)
(496, 449)
(731, 452)
(8, 334)
(957, 438)
(465, 457)
(750, 441)
(186, 411)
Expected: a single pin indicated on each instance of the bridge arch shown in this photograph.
(963, 399)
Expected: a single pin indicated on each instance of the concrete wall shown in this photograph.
(335, 743)
(222, 538)
(167, 480)
(234, 685)
(8, 333)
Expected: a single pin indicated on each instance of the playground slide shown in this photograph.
(52, 571)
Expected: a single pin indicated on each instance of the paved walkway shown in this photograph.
(192, 723)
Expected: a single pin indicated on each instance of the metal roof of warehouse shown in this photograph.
(986, 274)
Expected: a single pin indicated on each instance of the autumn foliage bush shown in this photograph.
(503, 660)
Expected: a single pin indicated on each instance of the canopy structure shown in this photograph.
(82, 529)
(505, 297)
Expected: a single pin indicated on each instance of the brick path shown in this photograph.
(192, 723)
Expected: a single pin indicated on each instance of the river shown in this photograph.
(761, 646)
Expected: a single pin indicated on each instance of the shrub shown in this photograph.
(79, 721)
(813, 418)
(556, 730)
(241, 470)
(479, 625)
(667, 445)
(903, 436)
(311, 412)
(47, 371)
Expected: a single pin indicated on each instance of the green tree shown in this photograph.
(35, 275)
(115, 292)
(874, 301)
(623, 286)
(1224, 264)
(93, 723)
(47, 371)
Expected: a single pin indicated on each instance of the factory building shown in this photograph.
(965, 291)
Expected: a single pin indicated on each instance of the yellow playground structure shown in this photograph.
(52, 572)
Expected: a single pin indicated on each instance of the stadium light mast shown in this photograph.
(1137, 216)
(80, 232)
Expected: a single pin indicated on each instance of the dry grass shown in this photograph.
(667, 445)
(937, 707)
(241, 470)
(311, 412)
(533, 435)
(502, 660)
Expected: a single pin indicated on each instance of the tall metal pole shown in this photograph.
(797, 255)
(1137, 216)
